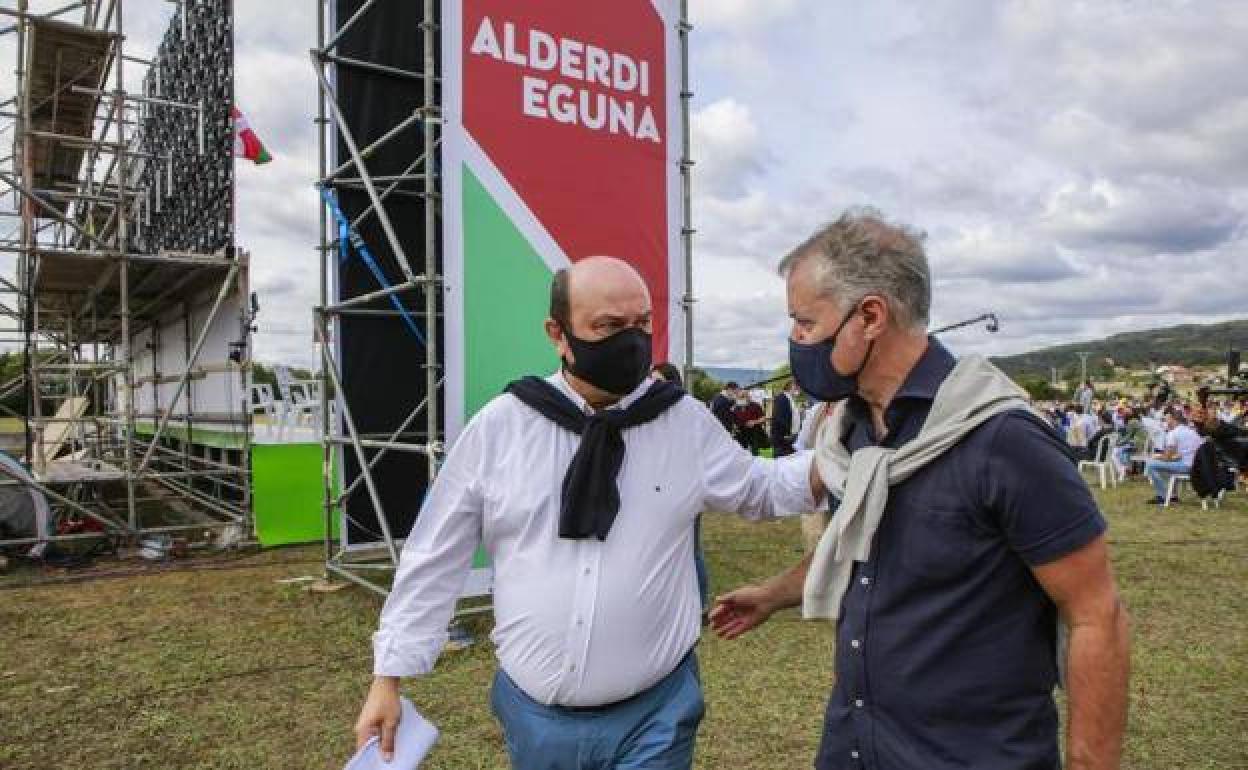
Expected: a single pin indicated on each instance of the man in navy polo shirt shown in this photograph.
(946, 653)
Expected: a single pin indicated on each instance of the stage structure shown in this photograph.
(469, 149)
(128, 295)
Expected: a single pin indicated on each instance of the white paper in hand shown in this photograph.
(412, 741)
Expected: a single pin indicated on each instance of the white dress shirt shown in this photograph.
(1091, 424)
(577, 622)
(1156, 431)
(1184, 441)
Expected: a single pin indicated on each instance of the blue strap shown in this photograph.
(349, 239)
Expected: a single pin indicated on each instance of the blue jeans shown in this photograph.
(653, 730)
(1122, 453)
(1160, 471)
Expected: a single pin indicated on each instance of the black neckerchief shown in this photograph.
(591, 496)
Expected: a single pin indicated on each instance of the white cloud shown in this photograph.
(988, 253)
(739, 15)
(727, 148)
(1150, 214)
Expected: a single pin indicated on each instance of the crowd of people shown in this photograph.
(743, 414)
(1155, 435)
(1158, 435)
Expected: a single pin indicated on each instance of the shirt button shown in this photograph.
(572, 667)
(866, 581)
(588, 570)
(579, 622)
(858, 703)
(854, 754)
(855, 643)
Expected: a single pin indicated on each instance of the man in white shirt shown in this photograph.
(596, 606)
(1179, 450)
(1156, 429)
(1076, 435)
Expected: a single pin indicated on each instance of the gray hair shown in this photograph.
(862, 253)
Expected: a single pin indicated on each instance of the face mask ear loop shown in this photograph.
(567, 336)
(870, 344)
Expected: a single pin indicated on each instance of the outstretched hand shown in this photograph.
(740, 611)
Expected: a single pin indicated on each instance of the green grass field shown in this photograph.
(225, 668)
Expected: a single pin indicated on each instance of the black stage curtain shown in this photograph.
(381, 360)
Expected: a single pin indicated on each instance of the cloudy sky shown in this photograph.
(1080, 168)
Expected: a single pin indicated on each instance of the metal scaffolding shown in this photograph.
(420, 432)
(114, 435)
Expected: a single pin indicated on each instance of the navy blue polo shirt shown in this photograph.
(945, 654)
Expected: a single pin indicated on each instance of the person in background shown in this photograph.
(1085, 395)
(1119, 413)
(1202, 419)
(1134, 439)
(723, 404)
(1105, 427)
(750, 417)
(1091, 425)
(1055, 415)
(1178, 451)
(1226, 411)
(786, 419)
(1154, 423)
(1163, 394)
(1076, 437)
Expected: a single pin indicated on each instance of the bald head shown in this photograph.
(599, 296)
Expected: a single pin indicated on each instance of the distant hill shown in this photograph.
(739, 376)
(1187, 345)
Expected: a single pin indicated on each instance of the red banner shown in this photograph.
(568, 99)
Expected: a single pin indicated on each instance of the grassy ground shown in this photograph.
(225, 668)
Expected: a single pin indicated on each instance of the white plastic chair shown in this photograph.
(262, 401)
(1101, 461)
(306, 401)
(1146, 454)
(1173, 487)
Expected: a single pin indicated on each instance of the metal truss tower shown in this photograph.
(126, 278)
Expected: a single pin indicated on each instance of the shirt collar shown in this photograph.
(928, 373)
(559, 381)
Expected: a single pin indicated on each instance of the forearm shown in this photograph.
(1098, 667)
(785, 589)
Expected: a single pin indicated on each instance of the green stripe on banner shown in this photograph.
(506, 299)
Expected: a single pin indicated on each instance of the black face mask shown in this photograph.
(811, 365)
(617, 364)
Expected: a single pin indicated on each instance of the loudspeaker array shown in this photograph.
(189, 200)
